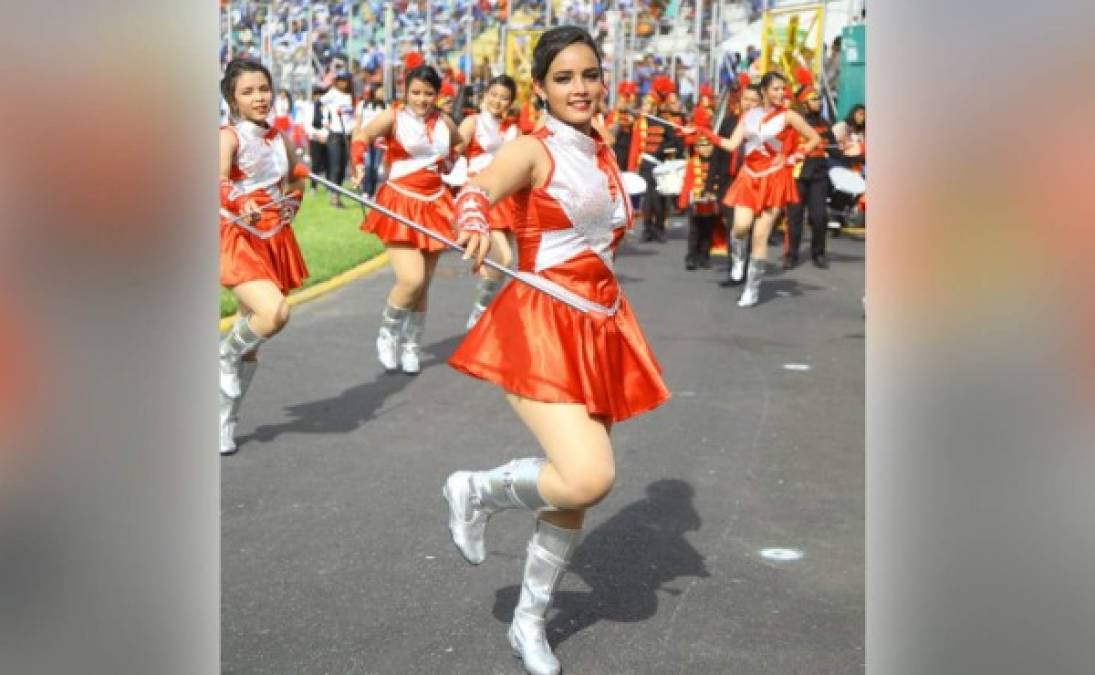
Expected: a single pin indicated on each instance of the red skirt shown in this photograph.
(246, 257)
(435, 211)
(536, 347)
(775, 190)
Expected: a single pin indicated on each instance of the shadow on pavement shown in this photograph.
(355, 406)
(625, 562)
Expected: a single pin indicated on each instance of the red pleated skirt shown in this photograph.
(539, 348)
(435, 211)
(246, 257)
(775, 190)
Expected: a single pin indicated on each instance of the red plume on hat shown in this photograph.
(803, 76)
(412, 60)
(447, 90)
(744, 79)
(664, 86)
(706, 90)
(701, 117)
(627, 88)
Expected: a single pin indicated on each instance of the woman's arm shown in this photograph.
(811, 135)
(520, 163)
(363, 137)
(467, 130)
(728, 144)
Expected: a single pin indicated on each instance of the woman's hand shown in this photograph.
(476, 247)
(251, 211)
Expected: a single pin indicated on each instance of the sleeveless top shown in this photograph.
(490, 134)
(416, 143)
(767, 135)
(261, 162)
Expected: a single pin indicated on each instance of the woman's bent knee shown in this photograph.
(592, 487)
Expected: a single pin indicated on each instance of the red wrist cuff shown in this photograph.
(357, 152)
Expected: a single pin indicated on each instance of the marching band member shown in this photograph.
(568, 374)
(260, 260)
(420, 140)
(813, 189)
(486, 131)
(765, 184)
(622, 119)
(656, 139)
(700, 198)
(726, 168)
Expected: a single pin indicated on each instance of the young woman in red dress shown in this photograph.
(421, 142)
(765, 184)
(568, 374)
(260, 260)
(485, 132)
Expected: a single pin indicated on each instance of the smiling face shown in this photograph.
(421, 97)
(573, 86)
(749, 100)
(776, 92)
(498, 100)
(252, 97)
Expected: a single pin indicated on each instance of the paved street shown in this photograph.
(336, 557)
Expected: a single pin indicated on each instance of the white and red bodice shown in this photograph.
(261, 162)
(767, 136)
(568, 229)
(416, 144)
(490, 134)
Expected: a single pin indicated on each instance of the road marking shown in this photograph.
(781, 554)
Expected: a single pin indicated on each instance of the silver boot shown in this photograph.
(751, 295)
(485, 292)
(412, 336)
(387, 340)
(239, 340)
(737, 259)
(475, 496)
(230, 408)
(549, 553)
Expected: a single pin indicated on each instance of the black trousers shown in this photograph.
(655, 204)
(812, 195)
(700, 229)
(317, 150)
(338, 155)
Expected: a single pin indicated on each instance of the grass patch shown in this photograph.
(330, 240)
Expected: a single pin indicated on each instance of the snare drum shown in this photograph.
(634, 184)
(669, 177)
(847, 181)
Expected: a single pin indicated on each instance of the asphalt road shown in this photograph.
(335, 553)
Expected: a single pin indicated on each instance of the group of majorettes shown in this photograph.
(569, 371)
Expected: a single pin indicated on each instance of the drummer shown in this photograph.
(701, 201)
(655, 140)
(813, 188)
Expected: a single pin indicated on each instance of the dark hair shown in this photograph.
(232, 73)
(423, 73)
(850, 118)
(755, 88)
(505, 81)
(554, 41)
(770, 77)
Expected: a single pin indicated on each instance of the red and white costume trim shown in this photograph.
(490, 134)
(763, 182)
(267, 249)
(567, 233)
(416, 147)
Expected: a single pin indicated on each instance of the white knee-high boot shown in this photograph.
(413, 326)
(475, 496)
(230, 408)
(387, 339)
(549, 553)
(485, 292)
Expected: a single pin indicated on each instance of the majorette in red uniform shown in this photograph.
(416, 148)
(266, 249)
(256, 239)
(769, 135)
(567, 233)
(419, 148)
(486, 133)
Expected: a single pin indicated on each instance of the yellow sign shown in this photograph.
(519, 46)
(793, 37)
